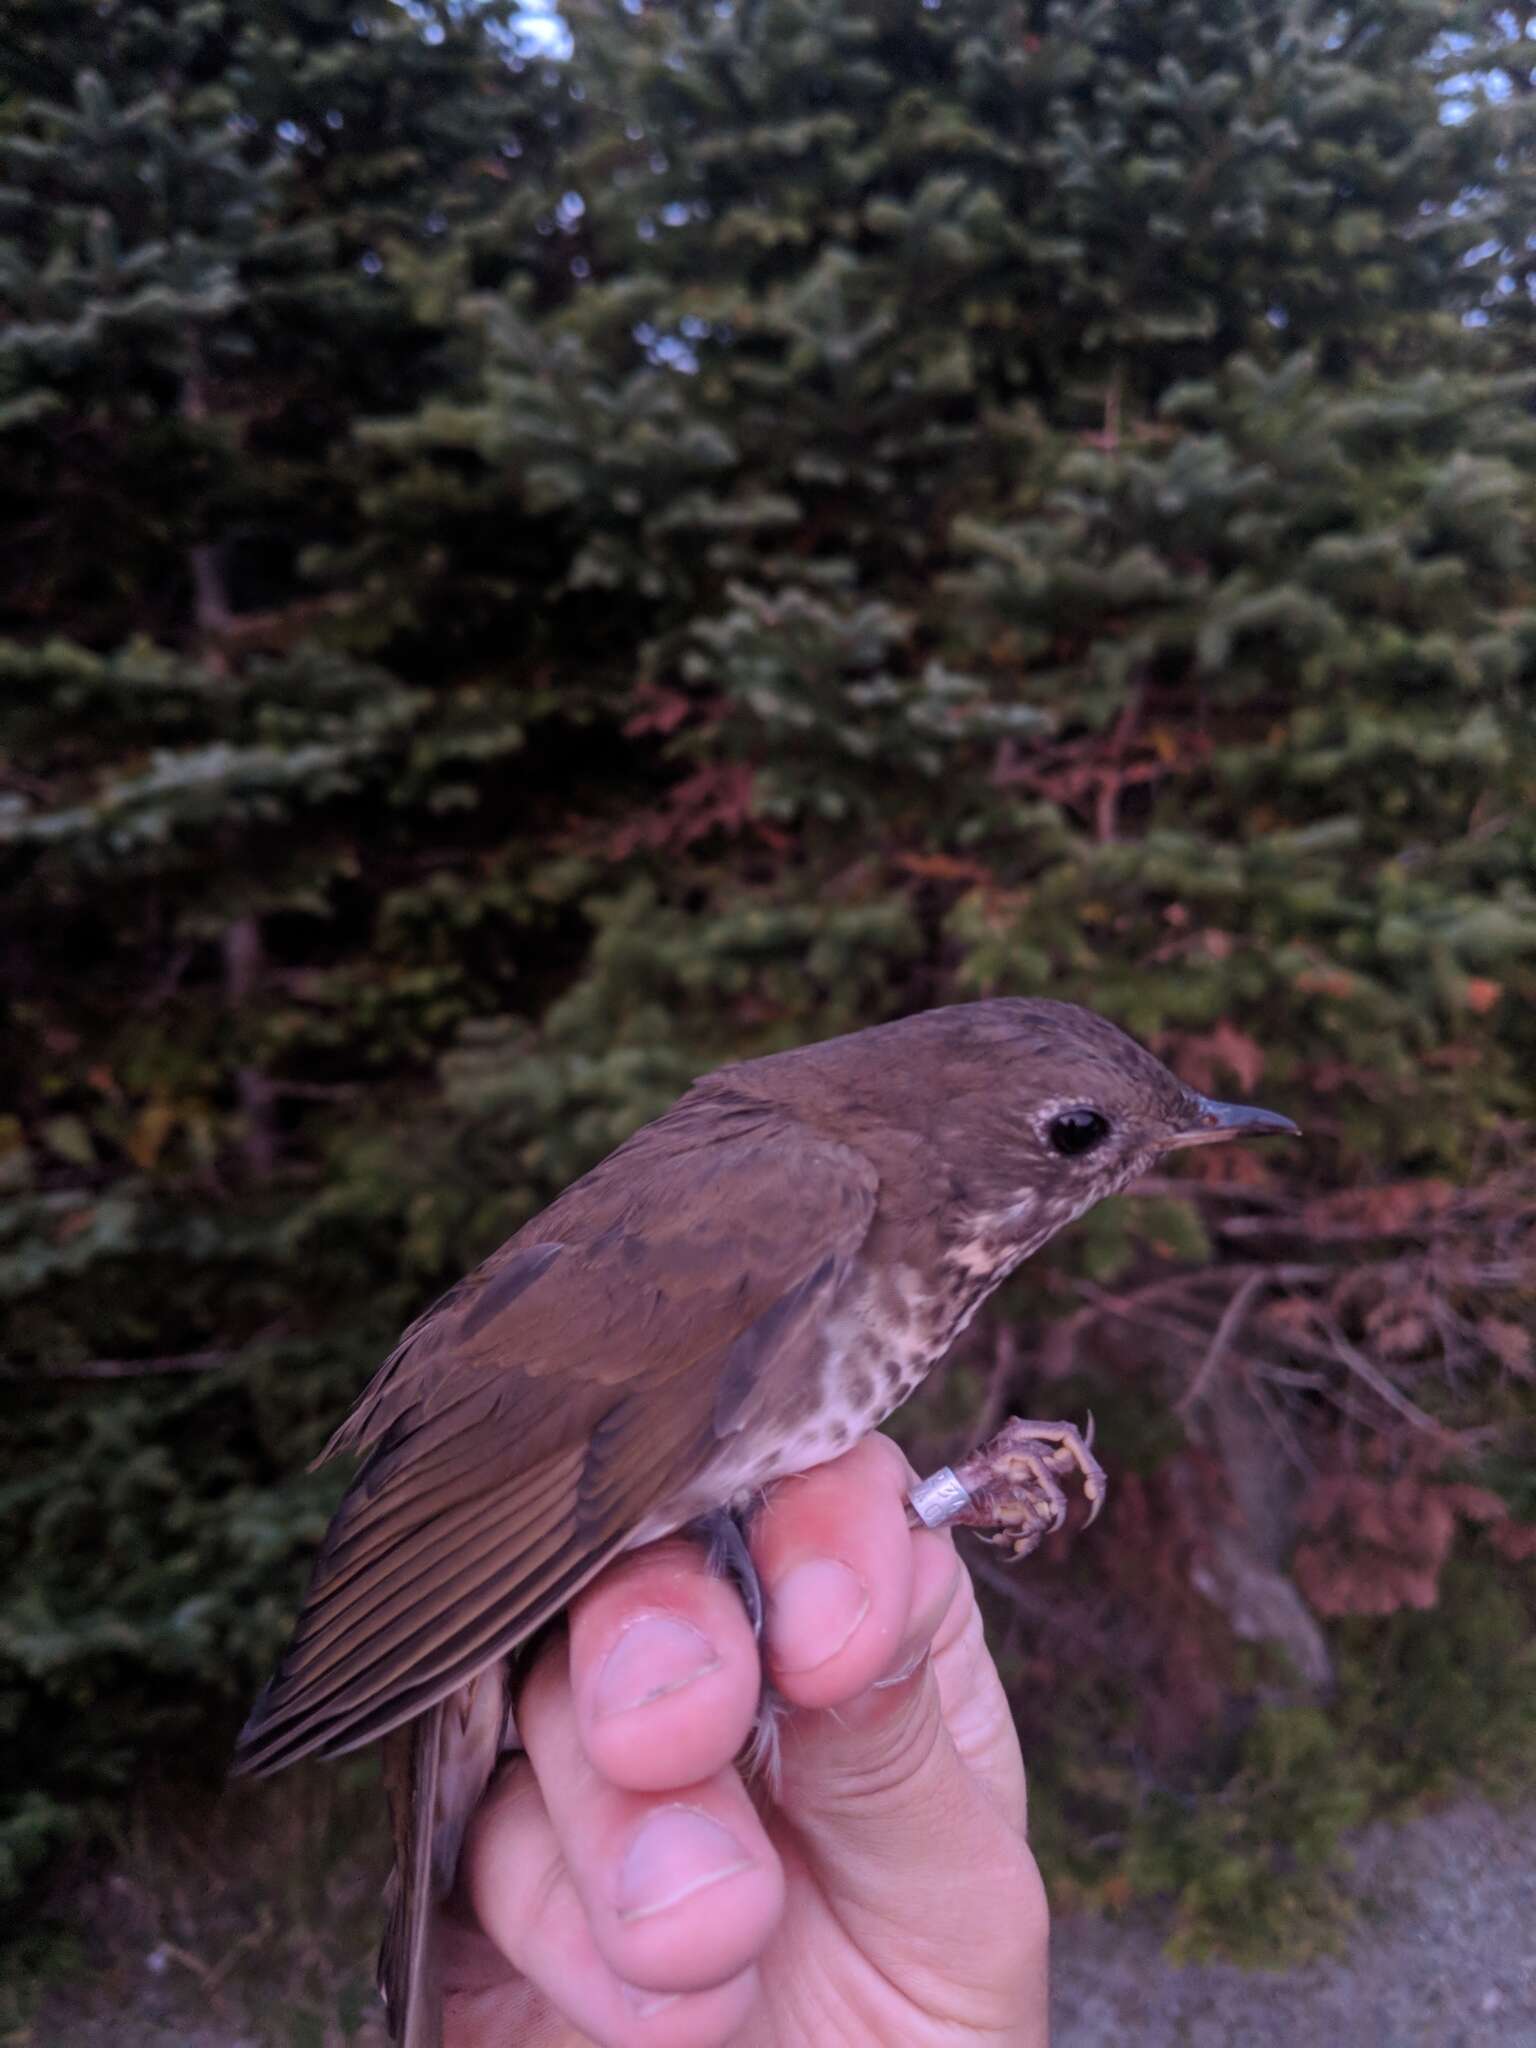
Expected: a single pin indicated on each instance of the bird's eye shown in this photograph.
(1077, 1131)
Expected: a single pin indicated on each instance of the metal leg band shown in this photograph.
(938, 1499)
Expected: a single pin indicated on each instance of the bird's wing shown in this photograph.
(553, 1402)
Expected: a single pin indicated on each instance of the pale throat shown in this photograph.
(990, 1243)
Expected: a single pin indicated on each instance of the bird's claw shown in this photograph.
(1011, 1488)
(730, 1557)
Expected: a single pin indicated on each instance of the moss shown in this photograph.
(1432, 1699)
(1246, 1841)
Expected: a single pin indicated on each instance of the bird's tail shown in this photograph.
(409, 1975)
(435, 1771)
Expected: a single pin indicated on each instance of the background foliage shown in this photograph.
(530, 570)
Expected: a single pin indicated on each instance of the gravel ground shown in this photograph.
(1443, 1956)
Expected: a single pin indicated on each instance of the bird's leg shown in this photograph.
(1011, 1487)
(730, 1558)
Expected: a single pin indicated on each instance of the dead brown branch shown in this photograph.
(1381, 1386)
(1221, 1343)
(122, 1368)
(1444, 1293)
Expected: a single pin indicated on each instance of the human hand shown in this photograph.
(621, 1885)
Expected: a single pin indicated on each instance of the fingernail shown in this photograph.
(913, 1664)
(678, 1851)
(812, 1612)
(643, 2003)
(656, 1654)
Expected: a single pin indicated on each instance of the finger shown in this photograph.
(664, 1669)
(975, 1709)
(681, 1889)
(837, 1562)
(922, 1846)
(521, 1894)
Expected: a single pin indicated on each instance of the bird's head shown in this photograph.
(1017, 1114)
(1013, 1116)
(1049, 1108)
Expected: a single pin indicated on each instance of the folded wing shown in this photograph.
(554, 1402)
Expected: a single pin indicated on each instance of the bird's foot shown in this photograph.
(730, 1558)
(1011, 1488)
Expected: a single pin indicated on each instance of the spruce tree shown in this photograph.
(219, 247)
(944, 379)
(526, 576)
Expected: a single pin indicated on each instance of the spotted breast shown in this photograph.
(892, 1326)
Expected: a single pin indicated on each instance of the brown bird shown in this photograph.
(739, 1292)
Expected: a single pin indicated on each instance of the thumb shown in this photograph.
(907, 1804)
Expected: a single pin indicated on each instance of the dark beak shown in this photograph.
(1215, 1122)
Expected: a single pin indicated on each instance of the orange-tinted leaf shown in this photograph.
(1292, 1313)
(1227, 1166)
(660, 711)
(716, 798)
(72, 1222)
(146, 1140)
(1164, 743)
(1398, 1330)
(1476, 1503)
(943, 867)
(1208, 1060)
(1327, 981)
(1480, 995)
(1399, 1206)
(1515, 1541)
(1373, 1546)
(1510, 1344)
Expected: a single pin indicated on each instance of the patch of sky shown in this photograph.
(1463, 92)
(672, 351)
(668, 351)
(534, 31)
